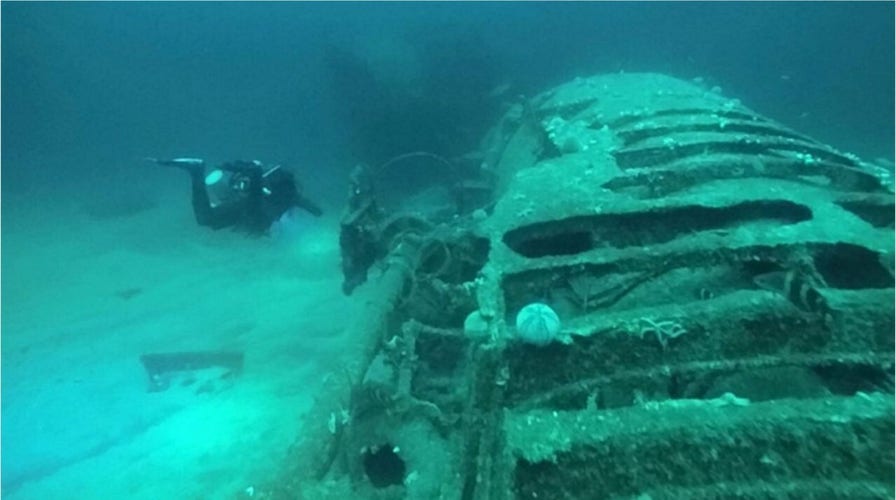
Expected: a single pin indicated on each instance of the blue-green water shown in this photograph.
(102, 261)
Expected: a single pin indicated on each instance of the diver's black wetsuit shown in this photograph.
(259, 197)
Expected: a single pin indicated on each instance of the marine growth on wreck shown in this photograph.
(723, 288)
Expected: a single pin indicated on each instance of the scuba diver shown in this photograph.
(241, 194)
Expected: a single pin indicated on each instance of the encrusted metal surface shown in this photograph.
(725, 288)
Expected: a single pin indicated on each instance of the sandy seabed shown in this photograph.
(84, 294)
